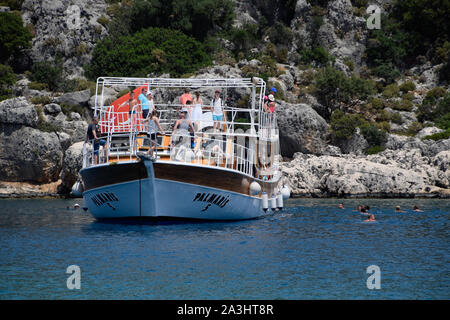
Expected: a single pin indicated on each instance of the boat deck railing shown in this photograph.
(203, 150)
(245, 140)
(118, 149)
(112, 121)
(211, 151)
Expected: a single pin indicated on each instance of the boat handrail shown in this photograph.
(129, 121)
(117, 153)
(227, 153)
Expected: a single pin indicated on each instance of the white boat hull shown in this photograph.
(173, 199)
(150, 197)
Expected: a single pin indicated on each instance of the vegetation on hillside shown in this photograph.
(181, 36)
(14, 38)
(152, 50)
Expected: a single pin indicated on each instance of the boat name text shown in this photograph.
(212, 198)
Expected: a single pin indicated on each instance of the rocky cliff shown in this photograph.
(33, 144)
(67, 29)
(41, 132)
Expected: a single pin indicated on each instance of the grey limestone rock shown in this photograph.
(18, 111)
(301, 129)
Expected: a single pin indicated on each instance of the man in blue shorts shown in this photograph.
(145, 104)
(217, 110)
(91, 136)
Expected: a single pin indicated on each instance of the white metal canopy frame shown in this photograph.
(251, 83)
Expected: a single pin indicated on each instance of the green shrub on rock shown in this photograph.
(43, 100)
(50, 73)
(14, 37)
(444, 121)
(318, 55)
(376, 103)
(408, 96)
(280, 34)
(407, 86)
(343, 125)
(333, 87)
(438, 136)
(383, 115)
(386, 71)
(375, 149)
(151, 50)
(391, 91)
(433, 108)
(37, 86)
(402, 105)
(383, 126)
(396, 118)
(7, 79)
(373, 135)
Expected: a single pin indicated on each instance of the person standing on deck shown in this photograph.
(153, 126)
(185, 97)
(217, 110)
(131, 102)
(151, 103)
(270, 107)
(196, 116)
(91, 136)
(145, 105)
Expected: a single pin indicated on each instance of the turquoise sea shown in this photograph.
(310, 250)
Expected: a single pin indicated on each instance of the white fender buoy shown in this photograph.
(286, 192)
(280, 201)
(273, 203)
(77, 189)
(265, 201)
(255, 188)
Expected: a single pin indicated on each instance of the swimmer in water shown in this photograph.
(416, 209)
(367, 208)
(341, 206)
(359, 207)
(397, 209)
(370, 219)
(364, 211)
(76, 206)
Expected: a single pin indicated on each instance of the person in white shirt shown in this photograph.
(151, 103)
(217, 110)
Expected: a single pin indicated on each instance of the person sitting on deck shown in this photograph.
(186, 96)
(91, 136)
(182, 123)
(217, 109)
